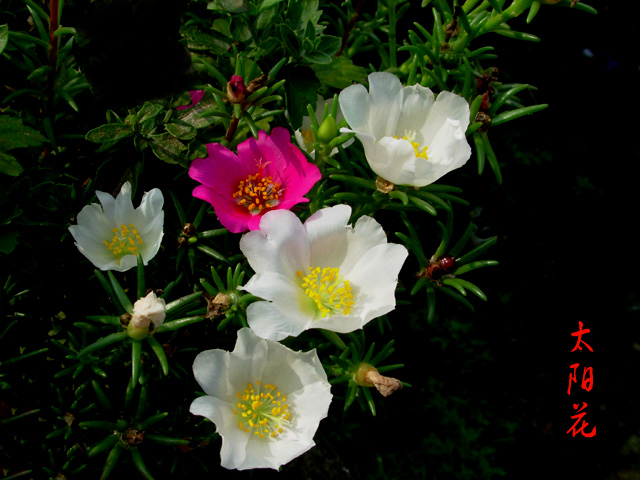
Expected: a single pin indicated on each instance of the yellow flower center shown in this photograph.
(262, 410)
(331, 293)
(256, 193)
(125, 241)
(416, 146)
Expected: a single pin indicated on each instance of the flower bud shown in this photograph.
(146, 311)
(236, 90)
(328, 130)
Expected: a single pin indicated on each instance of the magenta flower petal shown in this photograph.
(269, 173)
(196, 96)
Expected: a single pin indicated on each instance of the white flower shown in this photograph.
(148, 310)
(111, 235)
(323, 274)
(408, 138)
(265, 399)
(304, 135)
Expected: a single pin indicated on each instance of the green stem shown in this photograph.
(393, 63)
(515, 9)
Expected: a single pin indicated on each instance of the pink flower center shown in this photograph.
(256, 193)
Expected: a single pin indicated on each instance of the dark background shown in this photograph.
(489, 389)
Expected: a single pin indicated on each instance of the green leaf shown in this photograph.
(9, 166)
(13, 134)
(168, 148)
(340, 73)
(231, 6)
(301, 90)
(181, 130)
(111, 132)
(4, 36)
(328, 44)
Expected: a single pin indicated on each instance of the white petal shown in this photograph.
(95, 252)
(392, 159)
(108, 205)
(292, 371)
(327, 231)
(340, 323)
(268, 321)
(448, 105)
(123, 207)
(354, 102)
(385, 100)
(96, 223)
(366, 234)
(310, 405)
(417, 101)
(234, 441)
(375, 277)
(280, 245)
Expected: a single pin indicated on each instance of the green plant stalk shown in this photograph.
(54, 7)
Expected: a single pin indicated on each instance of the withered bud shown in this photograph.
(216, 305)
(133, 436)
(384, 186)
(236, 90)
(257, 83)
(452, 29)
(385, 385)
(367, 376)
(181, 241)
(188, 230)
(68, 419)
(485, 119)
(125, 318)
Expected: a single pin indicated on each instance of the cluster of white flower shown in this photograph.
(265, 399)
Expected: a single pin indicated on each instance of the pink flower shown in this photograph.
(196, 96)
(267, 174)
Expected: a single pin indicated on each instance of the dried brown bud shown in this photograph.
(385, 385)
(384, 186)
(452, 29)
(485, 119)
(216, 305)
(133, 436)
(125, 318)
(257, 83)
(188, 230)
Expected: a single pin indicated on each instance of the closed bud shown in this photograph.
(328, 130)
(236, 90)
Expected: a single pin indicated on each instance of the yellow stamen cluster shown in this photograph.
(125, 241)
(262, 411)
(257, 193)
(330, 293)
(416, 147)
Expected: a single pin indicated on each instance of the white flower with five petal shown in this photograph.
(409, 137)
(265, 399)
(111, 235)
(323, 274)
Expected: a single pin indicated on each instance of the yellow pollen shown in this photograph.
(416, 147)
(125, 241)
(330, 293)
(256, 193)
(259, 413)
